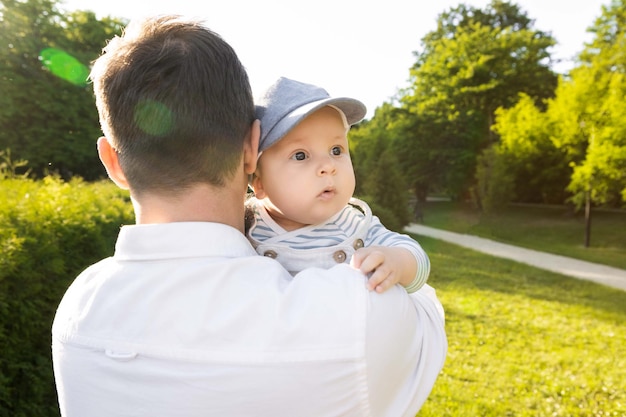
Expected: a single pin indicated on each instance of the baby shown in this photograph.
(303, 213)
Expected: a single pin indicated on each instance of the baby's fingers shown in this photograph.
(380, 280)
(371, 262)
(367, 260)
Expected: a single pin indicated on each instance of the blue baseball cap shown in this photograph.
(287, 102)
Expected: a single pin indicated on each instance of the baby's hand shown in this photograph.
(387, 266)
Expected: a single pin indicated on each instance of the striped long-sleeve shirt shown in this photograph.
(334, 241)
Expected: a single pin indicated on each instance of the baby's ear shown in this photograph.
(257, 187)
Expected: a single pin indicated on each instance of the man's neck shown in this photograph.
(201, 203)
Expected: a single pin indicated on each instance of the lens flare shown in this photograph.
(153, 118)
(64, 66)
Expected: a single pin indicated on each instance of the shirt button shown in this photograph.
(270, 254)
(358, 244)
(339, 256)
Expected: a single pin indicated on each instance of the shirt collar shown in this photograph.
(180, 240)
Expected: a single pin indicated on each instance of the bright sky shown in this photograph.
(351, 48)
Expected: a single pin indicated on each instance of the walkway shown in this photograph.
(612, 277)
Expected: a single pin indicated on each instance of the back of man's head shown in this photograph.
(175, 102)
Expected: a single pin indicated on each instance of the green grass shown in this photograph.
(525, 342)
(549, 229)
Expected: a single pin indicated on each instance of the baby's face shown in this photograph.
(307, 176)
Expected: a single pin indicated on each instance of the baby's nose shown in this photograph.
(327, 166)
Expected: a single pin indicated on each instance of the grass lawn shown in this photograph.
(554, 230)
(525, 342)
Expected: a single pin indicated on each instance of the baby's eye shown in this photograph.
(336, 150)
(299, 156)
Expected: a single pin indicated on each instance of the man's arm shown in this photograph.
(406, 347)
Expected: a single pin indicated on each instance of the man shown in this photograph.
(185, 319)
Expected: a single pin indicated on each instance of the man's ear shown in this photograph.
(110, 160)
(251, 148)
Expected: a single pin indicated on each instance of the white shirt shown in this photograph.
(187, 320)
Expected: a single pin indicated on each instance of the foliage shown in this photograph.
(47, 111)
(525, 342)
(590, 122)
(539, 169)
(9, 167)
(474, 62)
(494, 180)
(579, 141)
(599, 92)
(386, 192)
(484, 112)
(366, 141)
(417, 145)
(380, 180)
(51, 230)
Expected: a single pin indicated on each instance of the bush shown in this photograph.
(385, 191)
(495, 178)
(386, 216)
(51, 230)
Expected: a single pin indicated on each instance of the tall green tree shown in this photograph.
(582, 130)
(594, 105)
(47, 111)
(591, 109)
(539, 170)
(388, 130)
(380, 179)
(474, 62)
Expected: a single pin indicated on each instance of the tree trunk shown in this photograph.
(587, 219)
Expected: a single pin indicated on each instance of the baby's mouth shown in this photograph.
(328, 192)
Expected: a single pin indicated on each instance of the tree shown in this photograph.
(393, 129)
(539, 169)
(47, 111)
(386, 191)
(590, 109)
(582, 130)
(474, 62)
(380, 180)
(494, 179)
(596, 99)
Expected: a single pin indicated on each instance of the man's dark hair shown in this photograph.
(175, 102)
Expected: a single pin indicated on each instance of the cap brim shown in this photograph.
(353, 109)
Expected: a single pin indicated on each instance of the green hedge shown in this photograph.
(50, 230)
